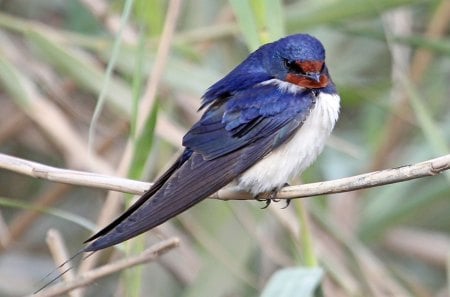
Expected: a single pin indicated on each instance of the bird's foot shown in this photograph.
(288, 201)
(268, 197)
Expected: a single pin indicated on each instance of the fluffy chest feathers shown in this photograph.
(298, 153)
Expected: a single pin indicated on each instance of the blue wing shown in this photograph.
(234, 133)
(247, 117)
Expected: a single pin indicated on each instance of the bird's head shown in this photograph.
(298, 59)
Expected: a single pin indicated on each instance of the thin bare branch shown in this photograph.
(367, 180)
(150, 254)
(74, 177)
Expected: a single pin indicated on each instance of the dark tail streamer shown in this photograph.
(58, 276)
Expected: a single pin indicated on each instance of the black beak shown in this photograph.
(313, 76)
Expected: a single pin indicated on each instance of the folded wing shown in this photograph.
(232, 135)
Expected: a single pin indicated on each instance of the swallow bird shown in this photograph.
(263, 123)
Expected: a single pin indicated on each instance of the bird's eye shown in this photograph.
(293, 67)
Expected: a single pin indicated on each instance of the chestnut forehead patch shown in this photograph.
(310, 66)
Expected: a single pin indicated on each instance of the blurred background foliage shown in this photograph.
(389, 59)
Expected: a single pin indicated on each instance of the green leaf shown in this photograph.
(274, 19)
(310, 14)
(247, 22)
(310, 258)
(430, 129)
(52, 211)
(109, 70)
(137, 84)
(260, 21)
(143, 145)
(298, 281)
(151, 14)
(14, 82)
(439, 46)
(81, 69)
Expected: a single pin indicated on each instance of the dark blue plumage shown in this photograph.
(266, 63)
(255, 109)
(264, 108)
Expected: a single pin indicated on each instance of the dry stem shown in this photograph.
(367, 180)
(150, 254)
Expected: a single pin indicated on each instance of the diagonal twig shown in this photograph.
(150, 254)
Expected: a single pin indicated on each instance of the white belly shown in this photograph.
(298, 153)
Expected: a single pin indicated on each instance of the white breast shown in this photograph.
(297, 154)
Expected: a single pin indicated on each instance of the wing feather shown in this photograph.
(246, 117)
(231, 136)
(155, 187)
(195, 180)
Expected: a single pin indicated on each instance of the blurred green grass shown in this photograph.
(62, 50)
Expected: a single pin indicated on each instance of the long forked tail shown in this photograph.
(53, 276)
(61, 273)
(190, 180)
